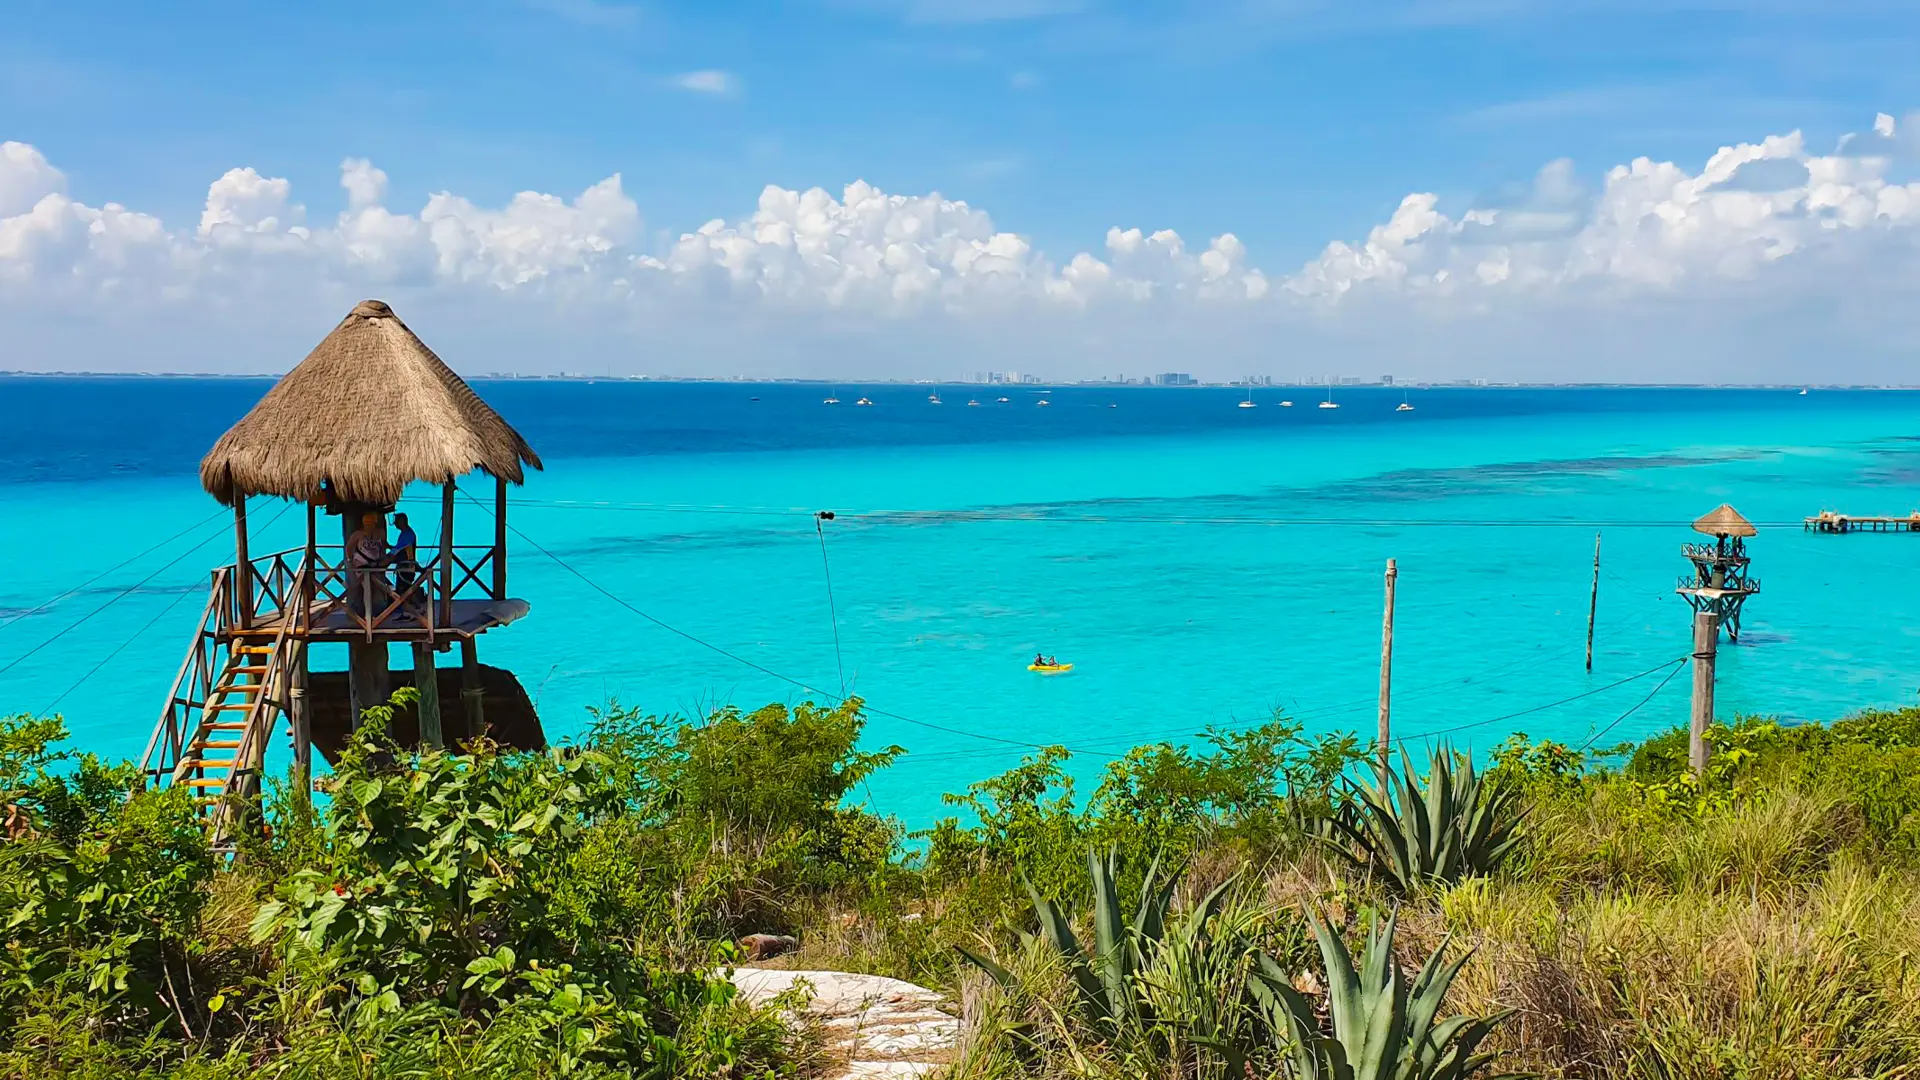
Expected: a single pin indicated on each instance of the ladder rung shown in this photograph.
(254, 650)
(248, 707)
(238, 688)
(204, 783)
(218, 744)
(226, 726)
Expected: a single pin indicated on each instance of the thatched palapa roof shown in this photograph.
(370, 410)
(1725, 521)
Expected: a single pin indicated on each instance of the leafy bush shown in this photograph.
(438, 891)
(730, 823)
(100, 893)
(1260, 790)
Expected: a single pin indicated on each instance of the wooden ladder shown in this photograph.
(221, 761)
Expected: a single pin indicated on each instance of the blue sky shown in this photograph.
(1288, 124)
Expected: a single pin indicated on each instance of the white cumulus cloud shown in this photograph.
(1760, 235)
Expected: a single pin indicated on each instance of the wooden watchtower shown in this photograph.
(1721, 580)
(368, 412)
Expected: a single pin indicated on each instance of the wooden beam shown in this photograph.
(499, 538)
(300, 719)
(426, 680)
(471, 694)
(446, 553)
(1706, 643)
(243, 564)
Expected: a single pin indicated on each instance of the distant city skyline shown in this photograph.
(905, 188)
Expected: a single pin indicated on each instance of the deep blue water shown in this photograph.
(1200, 563)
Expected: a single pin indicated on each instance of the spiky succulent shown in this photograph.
(1453, 826)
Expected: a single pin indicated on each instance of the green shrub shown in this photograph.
(100, 893)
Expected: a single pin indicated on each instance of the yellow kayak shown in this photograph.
(1050, 669)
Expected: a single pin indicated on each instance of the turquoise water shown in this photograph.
(1199, 564)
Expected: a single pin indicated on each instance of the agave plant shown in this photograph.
(1383, 1027)
(1458, 825)
(1111, 996)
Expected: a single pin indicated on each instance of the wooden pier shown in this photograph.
(1827, 521)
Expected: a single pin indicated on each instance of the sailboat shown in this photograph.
(1405, 405)
(1248, 404)
(933, 398)
(833, 397)
(1803, 391)
(1328, 404)
(973, 403)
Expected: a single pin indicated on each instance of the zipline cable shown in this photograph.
(30, 612)
(1595, 737)
(116, 598)
(833, 611)
(148, 625)
(1542, 708)
(735, 657)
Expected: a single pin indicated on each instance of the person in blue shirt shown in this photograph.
(405, 560)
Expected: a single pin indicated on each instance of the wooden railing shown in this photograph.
(1713, 552)
(388, 599)
(1731, 582)
(194, 684)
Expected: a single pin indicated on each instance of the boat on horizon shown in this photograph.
(863, 401)
(933, 398)
(973, 403)
(1286, 404)
(833, 397)
(1002, 401)
(1248, 404)
(1328, 404)
(1405, 405)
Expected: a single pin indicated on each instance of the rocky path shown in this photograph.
(878, 1027)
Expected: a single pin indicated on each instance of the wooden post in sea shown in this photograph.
(1706, 642)
(1593, 600)
(1386, 675)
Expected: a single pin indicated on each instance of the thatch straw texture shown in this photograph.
(1725, 521)
(370, 410)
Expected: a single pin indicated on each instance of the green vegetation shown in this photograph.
(1258, 904)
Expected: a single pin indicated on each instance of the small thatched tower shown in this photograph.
(370, 411)
(1720, 581)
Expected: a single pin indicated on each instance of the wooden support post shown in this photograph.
(471, 694)
(426, 680)
(1386, 677)
(300, 723)
(499, 539)
(446, 554)
(366, 660)
(1706, 642)
(313, 568)
(242, 562)
(1593, 600)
